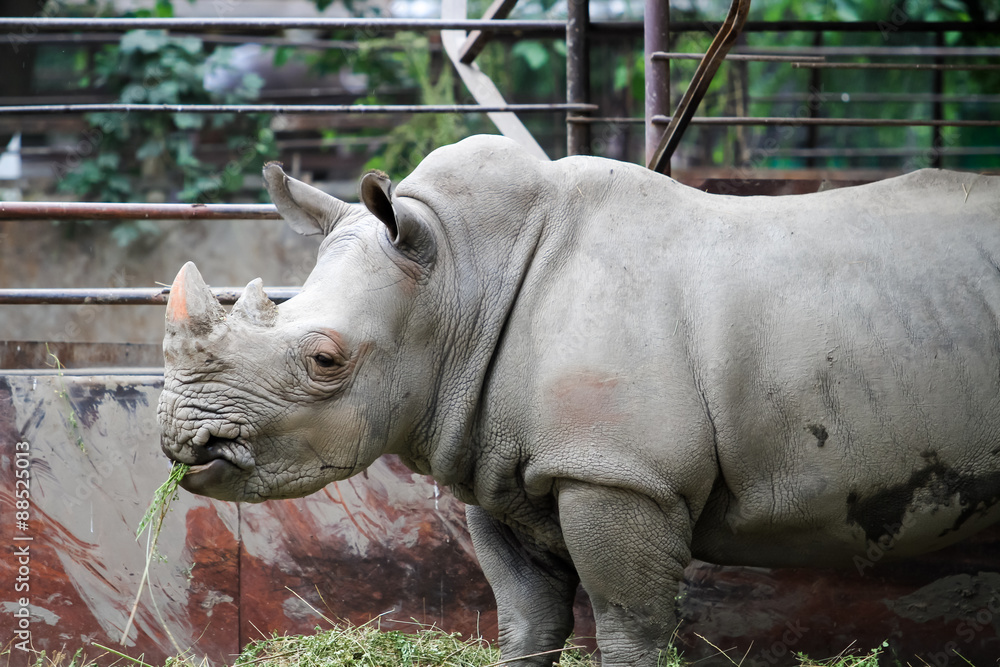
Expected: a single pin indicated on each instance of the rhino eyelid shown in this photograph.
(325, 360)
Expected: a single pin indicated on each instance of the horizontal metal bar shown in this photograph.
(111, 211)
(292, 108)
(881, 152)
(253, 24)
(738, 57)
(878, 98)
(880, 51)
(604, 28)
(124, 296)
(115, 37)
(907, 66)
(847, 122)
(773, 120)
(611, 120)
(26, 27)
(848, 26)
(96, 371)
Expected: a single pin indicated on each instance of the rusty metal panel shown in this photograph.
(93, 465)
(386, 541)
(389, 540)
(929, 609)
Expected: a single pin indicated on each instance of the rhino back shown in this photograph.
(853, 364)
(808, 372)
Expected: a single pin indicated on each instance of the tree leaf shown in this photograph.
(536, 55)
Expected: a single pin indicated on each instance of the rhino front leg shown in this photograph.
(534, 589)
(630, 553)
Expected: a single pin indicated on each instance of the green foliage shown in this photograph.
(411, 141)
(129, 156)
(776, 89)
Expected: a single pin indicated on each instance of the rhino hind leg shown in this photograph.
(630, 553)
(534, 590)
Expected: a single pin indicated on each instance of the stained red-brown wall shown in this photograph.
(388, 544)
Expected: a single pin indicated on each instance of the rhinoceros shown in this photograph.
(616, 373)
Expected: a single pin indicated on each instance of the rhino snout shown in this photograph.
(214, 448)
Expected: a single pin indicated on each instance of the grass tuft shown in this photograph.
(160, 504)
(347, 645)
(153, 520)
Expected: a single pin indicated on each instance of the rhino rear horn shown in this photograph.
(192, 309)
(254, 307)
(306, 209)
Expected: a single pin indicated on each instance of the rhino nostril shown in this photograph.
(213, 448)
(216, 448)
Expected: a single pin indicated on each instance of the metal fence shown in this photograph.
(664, 126)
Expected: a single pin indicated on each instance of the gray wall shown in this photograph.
(43, 254)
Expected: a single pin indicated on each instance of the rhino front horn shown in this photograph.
(254, 307)
(192, 308)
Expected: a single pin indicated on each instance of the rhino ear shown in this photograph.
(376, 193)
(405, 227)
(306, 209)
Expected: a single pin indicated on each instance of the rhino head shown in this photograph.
(277, 401)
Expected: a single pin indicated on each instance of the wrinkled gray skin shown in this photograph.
(616, 372)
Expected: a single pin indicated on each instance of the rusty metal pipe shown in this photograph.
(256, 24)
(927, 66)
(739, 57)
(292, 108)
(781, 120)
(577, 72)
(848, 122)
(124, 296)
(111, 211)
(702, 79)
(656, 39)
(29, 26)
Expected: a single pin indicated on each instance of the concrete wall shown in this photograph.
(43, 254)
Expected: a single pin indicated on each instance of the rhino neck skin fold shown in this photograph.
(616, 372)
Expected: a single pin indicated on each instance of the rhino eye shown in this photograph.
(324, 360)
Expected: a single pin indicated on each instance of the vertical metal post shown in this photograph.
(815, 88)
(577, 73)
(937, 107)
(702, 79)
(656, 33)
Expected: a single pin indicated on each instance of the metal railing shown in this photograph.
(577, 31)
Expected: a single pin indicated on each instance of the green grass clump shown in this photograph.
(160, 505)
(347, 645)
(153, 520)
(368, 646)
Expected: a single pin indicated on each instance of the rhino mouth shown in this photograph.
(211, 467)
(209, 479)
